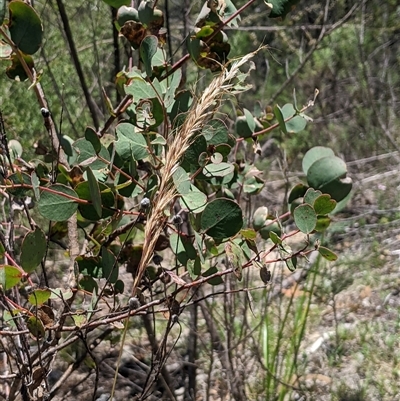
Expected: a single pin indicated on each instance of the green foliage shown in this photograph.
(3, 9)
(162, 152)
(221, 218)
(25, 27)
(33, 249)
(280, 8)
(10, 276)
(58, 202)
(117, 3)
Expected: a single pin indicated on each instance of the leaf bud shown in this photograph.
(177, 220)
(265, 275)
(134, 303)
(145, 203)
(157, 259)
(45, 112)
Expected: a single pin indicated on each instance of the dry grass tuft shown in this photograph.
(200, 112)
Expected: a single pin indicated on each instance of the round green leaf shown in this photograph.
(35, 184)
(15, 148)
(181, 181)
(214, 280)
(148, 49)
(194, 267)
(253, 184)
(94, 190)
(314, 154)
(35, 327)
(338, 189)
(268, 228)
(288, 111)
(91, 136)
(323, 222)
(311, 195)
(281, 119)
(58, 204)
(248, 233)
(146, 12)
(16, 71)
(19, 178)
(296, 124)
(33, 249)
(215, 132)
(250, 120)
(305, 218)
(326, 170)
(221, 218)
(25, 27)
(89, 211)
(191, 157)
(109, 265)
(275, 237)
(291, 263)
(79, 319)
(242, 128)
(119, 287)
(9, 276)
(205, 31)
(327, 254)
(183, 248)
(88, 284)
(194, 200)
(127, 14)
(87, 155)
(218, 170)
(130, 143)
(140, 89)
(260, 216)
(39, 297)
(297, 192)
(328, 175)
(324, 204)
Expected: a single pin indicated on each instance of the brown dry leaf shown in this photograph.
(46, 315)
(135, 32)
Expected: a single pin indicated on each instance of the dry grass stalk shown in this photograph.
(200, 112)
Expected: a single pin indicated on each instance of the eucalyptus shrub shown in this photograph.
(160, 173)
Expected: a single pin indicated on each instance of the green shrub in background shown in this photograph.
(161, 172)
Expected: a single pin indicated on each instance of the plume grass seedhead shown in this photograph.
(229, 82)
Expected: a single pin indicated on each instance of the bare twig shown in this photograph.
(74, 54)
(324, 32)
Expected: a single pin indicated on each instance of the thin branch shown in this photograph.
(324, 32)
(117, 55)
(74, 54)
